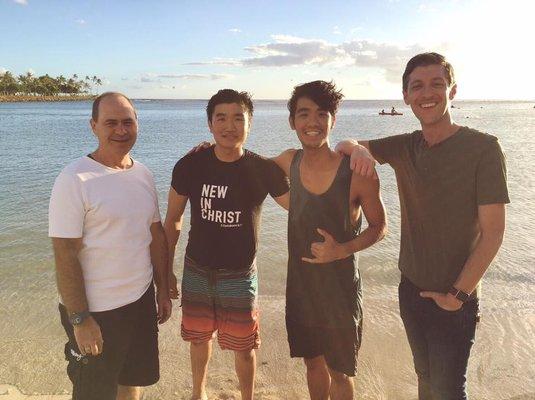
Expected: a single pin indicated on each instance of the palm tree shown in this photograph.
(8, 83)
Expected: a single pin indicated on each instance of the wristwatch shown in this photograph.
(459, 294)
(76, 318)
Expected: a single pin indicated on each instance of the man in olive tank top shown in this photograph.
(452, 190)
(323, 294)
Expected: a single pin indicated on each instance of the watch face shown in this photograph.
(76, 320)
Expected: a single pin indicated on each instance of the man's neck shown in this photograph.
(111, 160)
(228, 155)
(314, 158)
(436, 133)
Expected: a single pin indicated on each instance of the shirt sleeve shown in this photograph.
(66, 210)
(491, 176)
(277, 181)
(180, 179)
(389, 149)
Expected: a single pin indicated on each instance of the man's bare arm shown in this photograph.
(158, 256)
(70, 280)
(362, 161)
(173, 224)
(491, 218)
(284, 200)
(347, 146)
(364, 191)
(284, 160)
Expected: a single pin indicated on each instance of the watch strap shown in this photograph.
(459, 294)
(76, 318)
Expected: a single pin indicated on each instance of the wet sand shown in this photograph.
(501, 367)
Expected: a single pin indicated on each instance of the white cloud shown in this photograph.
(212, 77)
(286, 50)
(217, 61)
(147, 78)
(291, 50)
(336, 30)
(124, 78)
(389, 57)
(81, 21)
(21, 2)
(427, 7)
(235, 30)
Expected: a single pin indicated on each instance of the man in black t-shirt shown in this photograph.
(226, 185)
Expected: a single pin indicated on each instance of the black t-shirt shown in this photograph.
(226, 201)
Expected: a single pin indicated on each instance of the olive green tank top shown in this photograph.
(327, 294)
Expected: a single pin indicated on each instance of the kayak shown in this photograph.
(389, 113)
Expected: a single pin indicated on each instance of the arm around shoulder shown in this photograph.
(284, 160)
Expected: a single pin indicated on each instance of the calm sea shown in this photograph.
(38, 139)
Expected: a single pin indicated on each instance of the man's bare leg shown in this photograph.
(128, 392)
(200, 355)
(342, 386)
(245, 362)
(318, 378)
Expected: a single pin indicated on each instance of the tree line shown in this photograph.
(45, 85)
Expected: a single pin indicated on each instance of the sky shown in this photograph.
(191, 49)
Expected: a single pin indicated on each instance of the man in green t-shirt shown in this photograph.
(452, 190)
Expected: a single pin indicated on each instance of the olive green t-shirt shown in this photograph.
(440, 188)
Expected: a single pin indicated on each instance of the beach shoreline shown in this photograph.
(385, 369)
(41, 99)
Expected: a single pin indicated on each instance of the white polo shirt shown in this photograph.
(112, 211)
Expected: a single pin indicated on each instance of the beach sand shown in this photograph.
(501, 366)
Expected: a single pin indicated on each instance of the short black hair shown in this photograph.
(96, 103)
(324, 94)
(227, 96)
(423, 60)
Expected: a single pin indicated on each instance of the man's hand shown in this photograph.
(164, 306)
(326, 251)
(362, 162)
(89, 337)
(447, 302)
(201, 146)
(173, 286)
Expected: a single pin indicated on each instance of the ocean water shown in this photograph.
(38, 139)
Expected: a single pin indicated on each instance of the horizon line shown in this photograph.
(397, 99)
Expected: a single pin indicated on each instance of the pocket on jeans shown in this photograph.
(449, 312)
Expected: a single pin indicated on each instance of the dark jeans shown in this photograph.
(440, 341)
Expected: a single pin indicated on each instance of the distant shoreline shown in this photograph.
(27, 99)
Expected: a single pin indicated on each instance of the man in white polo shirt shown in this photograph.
(110, 246)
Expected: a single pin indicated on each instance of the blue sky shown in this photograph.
(190, 49)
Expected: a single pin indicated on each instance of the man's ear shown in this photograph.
(291, 121)
(405, 95)
(93, 124)
(453, 91)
